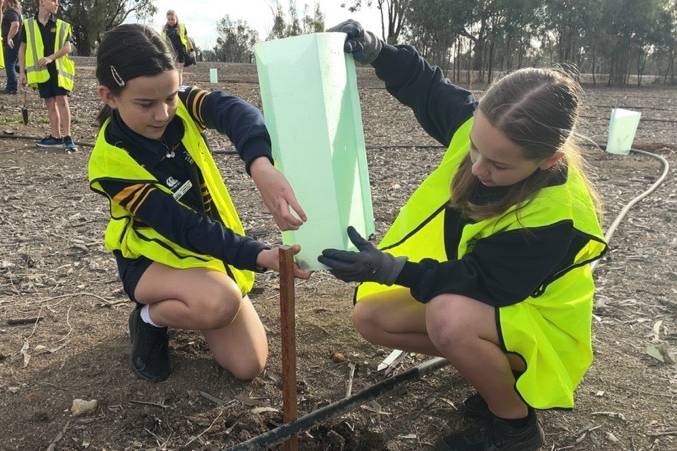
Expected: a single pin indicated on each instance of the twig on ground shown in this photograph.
(149, 403)
(351, 376)
(662, 433)
(584, 433)
(215, 400)
(68, 322)
(157, 438)
(611, 414)
(35, 326)
(22, 321)
(205, 431)
(59, 436)
(82, 293)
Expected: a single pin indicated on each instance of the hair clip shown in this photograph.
(116, 76)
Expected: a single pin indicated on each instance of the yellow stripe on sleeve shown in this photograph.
(121, 197)
(143, 199)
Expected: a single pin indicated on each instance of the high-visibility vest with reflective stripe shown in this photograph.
(183, 36)
(551, 329)
(2, 55)
(65, 67)
(108, 162)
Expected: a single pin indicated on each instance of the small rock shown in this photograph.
(81, 407)
(338, 357)
(13, 389)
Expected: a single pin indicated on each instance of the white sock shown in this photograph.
(145, 316)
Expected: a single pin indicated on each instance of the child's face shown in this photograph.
(497, 161)
(51, 6)
(146, 104)
(171, 20)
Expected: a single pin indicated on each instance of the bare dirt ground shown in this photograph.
(53, 266)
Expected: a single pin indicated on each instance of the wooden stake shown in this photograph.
(288, 333)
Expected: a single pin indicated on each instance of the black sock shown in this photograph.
(516, 423)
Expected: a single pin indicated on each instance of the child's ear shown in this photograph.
(107, 96)
(551, 160)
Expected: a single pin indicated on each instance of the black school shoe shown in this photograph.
(496, 435)
(474, 406)
(149, 356)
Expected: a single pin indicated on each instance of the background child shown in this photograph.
(44, 63)
(11, 36)
(177, 35)
(495, 276)
(179, 244)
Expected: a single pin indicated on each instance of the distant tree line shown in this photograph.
(616, 38)
(91, 18)
(236, 40)
(612, 40)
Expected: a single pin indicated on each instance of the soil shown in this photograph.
(53, 266)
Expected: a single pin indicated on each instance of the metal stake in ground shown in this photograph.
(288, 333)
(24, 109)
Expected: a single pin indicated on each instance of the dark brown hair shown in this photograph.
(129, 51)
(537, 110)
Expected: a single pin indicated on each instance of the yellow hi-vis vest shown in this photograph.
(108, 162)
(65, 67)
(551, 329)
(2, 53)
(183, 36)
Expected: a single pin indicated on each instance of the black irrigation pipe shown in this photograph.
(283, 432)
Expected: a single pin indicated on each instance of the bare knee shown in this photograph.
(247, 367)
(449, 329)
(365, 320)
(216, 308)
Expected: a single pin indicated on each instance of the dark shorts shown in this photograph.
(130, 271)
(51, 88)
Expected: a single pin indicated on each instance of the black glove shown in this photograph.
(364, 45)
(369, 264)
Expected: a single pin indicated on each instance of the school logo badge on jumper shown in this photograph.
(171, 182)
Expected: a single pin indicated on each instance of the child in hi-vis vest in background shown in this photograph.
(44, 64)
(488, 263)
(181, 250)
(175, 32)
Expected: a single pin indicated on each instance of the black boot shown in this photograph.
(497, 435)
(149, 356)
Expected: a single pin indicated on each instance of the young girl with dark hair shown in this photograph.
(488, 263)
(180, 247)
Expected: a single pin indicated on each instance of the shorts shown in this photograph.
(130, 271)
(51, 88)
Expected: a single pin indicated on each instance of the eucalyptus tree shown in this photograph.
(393, 15)
(91, 18)
(235, 41)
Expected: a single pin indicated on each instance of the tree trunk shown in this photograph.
(594, 64)
(491, 61)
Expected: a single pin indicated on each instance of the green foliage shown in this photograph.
(91, 18)
(293, 26)
(235, 42)
(619, 38)
(393, 15)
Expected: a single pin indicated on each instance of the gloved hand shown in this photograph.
(369, 264)
(364, 45)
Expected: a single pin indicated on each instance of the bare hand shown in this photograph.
(270, 259)
(22, 78)
(277, 194)
(45, 60)
(10, 43)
